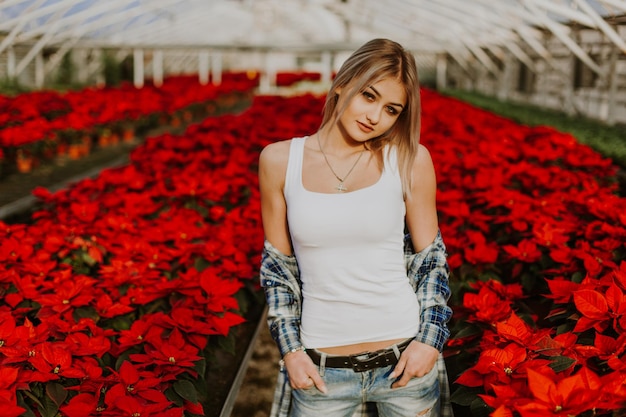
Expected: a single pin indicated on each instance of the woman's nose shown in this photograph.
(373, 116)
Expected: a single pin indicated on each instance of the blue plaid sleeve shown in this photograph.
(280, 280)
(428, 271)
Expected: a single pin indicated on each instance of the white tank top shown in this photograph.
(349, 248)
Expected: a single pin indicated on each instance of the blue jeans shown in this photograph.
(348, 390)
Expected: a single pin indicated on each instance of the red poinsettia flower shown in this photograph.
(478, 250)
(52, 361)
(612, 350)
(172, 355)
(487, 306)
(8, 404)
(569, 396)
(525, 251)
(133, 382)
(8, 377)
(82, 405)
(131, 406)
(13, 250)
(106, 308)
(73, 293)
(81, 344)
(138, 333)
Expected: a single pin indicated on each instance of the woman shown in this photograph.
(358, 317)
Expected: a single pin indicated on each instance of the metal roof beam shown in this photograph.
(561, 33)
(8, 41)
(117, 19)
(619, 4)
(602, 25)
(38, 12)
(39, 45)
(566, 12)
(110, 7)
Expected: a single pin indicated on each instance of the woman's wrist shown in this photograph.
(281, 362)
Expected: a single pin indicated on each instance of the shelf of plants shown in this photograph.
(40, 126)
(126, 291)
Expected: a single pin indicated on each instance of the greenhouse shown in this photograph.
(144, 188)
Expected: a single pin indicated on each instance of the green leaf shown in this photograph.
(49, 408)
(561, 363)
(56, 392)
(22, 403)
(479, 408)
(200, 366)
(465, 395)
(88, 259)
(124, 356)
(34, 398)
(174, 397)
(86, 313)
(228, 343)
(200, 264)
(467, 331)
(186, 390)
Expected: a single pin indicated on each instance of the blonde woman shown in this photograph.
(357, 307)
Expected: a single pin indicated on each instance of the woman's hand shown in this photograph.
(417, 360)
(302, 372)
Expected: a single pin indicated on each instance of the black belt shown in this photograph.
(360, 362)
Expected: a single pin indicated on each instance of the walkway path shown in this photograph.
(257, 389)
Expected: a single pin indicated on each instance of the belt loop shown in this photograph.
(396, 351)
(322, 363)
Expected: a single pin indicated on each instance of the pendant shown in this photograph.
(341, 188)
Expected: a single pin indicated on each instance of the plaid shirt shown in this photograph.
(428, 272)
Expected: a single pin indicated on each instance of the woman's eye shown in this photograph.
(368, 95)
(392, 110)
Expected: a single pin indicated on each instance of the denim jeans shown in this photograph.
(348, 390)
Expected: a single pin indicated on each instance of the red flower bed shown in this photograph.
(113, 294)
(286, 79)
(39, 123)
(536, 235)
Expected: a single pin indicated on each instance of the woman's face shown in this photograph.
(374, 110)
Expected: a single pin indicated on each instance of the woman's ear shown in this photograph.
(338, 90)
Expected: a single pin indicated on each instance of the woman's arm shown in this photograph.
(272, 171)
(432, 284)
(279, 272)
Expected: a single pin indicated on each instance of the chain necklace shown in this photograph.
(340, 187)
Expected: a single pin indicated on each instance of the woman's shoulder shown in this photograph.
(422, 160)
(276, 153)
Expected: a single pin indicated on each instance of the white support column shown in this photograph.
(216, 67)
(612, 80)
(98, 65)
(327, 67)
(138, 67)
(11, 62)
(442, 70)
(39, 70)
(504, 87)
(265, 85)
(157, 67)
(80, 60)
(203, 67)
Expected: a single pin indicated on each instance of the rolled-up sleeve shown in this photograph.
(429, 272)
(280, 281)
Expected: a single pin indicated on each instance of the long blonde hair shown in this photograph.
(376, 60)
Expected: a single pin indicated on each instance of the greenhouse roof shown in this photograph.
(461, 28)
(427, 25)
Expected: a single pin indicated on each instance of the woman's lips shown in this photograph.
(364, 127)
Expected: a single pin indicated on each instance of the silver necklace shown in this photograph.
(340, 187)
